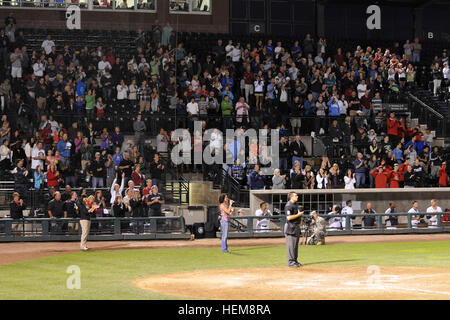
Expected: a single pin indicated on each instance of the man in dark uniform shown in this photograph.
(56, 211)
(292, 230)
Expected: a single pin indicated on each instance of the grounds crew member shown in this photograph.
(292, 230)
(319, 230)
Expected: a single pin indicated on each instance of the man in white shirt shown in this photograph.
(37, 156)
(236, 53)
(229, 49)
(192, 108)
(263, 225)
(102, 65)
(48, 44)
(38, 68)
(432, 219)
(415, 218)
(362, 87)
(347, 210)
(334, 223)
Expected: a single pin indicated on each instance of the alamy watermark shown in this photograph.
(228, 149)
(73, 282)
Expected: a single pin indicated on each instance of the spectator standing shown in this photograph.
(360, 166)
(139, 128)
(255, 179)
(417, 49)
(156, 171)
(278, 181)
(298, 151)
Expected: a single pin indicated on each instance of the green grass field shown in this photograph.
(109, 274)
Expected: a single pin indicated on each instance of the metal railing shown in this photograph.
(108, 228)
(428, 115)
(252, 226)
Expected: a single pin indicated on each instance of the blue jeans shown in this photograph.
(360, 180)
(366, 112)
(224, 228)
(97, 182)
(416, 57)
(282, 164)
(300, 159)
(156, 182)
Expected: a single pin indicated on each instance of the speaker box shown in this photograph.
(213, 216)
(199, 230)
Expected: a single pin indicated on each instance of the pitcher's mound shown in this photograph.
(282, 283)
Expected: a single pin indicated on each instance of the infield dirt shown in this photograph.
(307, 283)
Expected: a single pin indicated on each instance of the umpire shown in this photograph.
(292, 230)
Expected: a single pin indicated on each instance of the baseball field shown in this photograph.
(348, 267)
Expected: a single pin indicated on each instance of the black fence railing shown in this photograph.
(111, 228)
(395, 223)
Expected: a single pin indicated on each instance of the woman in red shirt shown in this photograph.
(137, 177)
(443, 177)
(53, 176)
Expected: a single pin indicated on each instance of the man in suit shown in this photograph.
(298, 151)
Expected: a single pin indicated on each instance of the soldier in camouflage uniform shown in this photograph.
(319, 230)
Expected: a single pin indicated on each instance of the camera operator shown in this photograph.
(319, 225)
(292, 229)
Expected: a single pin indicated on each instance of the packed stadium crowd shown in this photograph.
(53, 101)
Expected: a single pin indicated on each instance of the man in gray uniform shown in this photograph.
(292, 230)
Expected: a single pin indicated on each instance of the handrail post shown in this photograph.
(347, 223)
(380, 222)
(117, 226)
(45, 227)
(409, 221)
(8, 227)
(250, 226)
(153, 223)
(439, 220)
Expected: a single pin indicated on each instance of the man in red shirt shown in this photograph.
(392, 128)
(381, 175)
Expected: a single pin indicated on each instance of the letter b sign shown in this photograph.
(374, 20)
